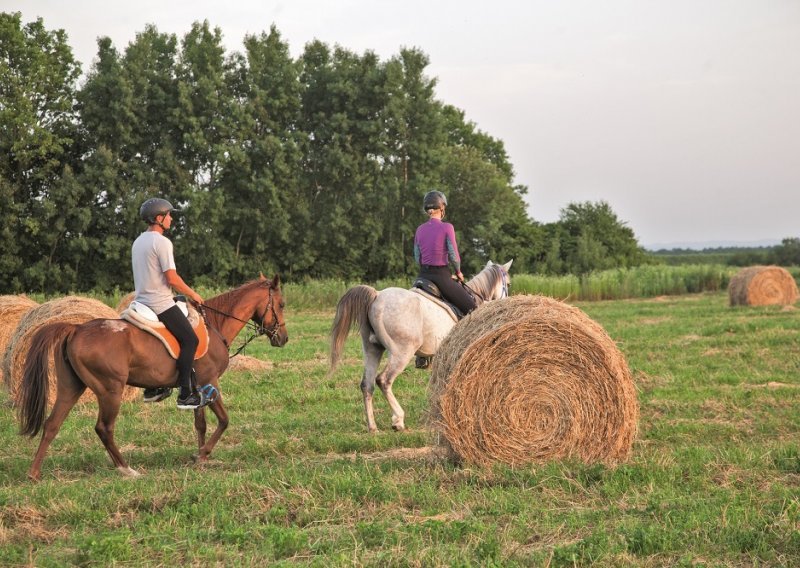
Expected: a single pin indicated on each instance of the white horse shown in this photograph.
(405, 323)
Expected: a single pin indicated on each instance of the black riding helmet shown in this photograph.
(434, 200)
(154, 207)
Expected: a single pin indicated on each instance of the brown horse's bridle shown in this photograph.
(273, 329)
(258, 326)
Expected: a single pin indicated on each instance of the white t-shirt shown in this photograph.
(151, 256)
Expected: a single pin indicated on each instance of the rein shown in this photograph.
(503, 293)
(258, 328)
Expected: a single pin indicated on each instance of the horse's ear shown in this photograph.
(488, 264)
(261, 276)
(276, 281)
(507, 265)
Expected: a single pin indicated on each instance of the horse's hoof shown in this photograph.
(372, 430)
(129, 472)
(35, 477)
(398, 427)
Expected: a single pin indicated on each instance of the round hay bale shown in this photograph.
(12, 308)
(247, 363)
(70, 309)
(762, 286)
(531, 379)
(125, 302)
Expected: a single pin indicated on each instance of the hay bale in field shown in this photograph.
(70, 309)
(531, 379)
(125, 302)
(12, 308)
(247, 363)
(762, 286)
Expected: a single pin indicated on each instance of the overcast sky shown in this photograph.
(683, 115)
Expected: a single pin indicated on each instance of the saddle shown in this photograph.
(430, 290)
(145, 319)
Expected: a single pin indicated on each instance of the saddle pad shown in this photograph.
(446, 307)
(160, 331)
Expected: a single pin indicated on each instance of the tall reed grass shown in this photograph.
(622, 283)
(617, 284)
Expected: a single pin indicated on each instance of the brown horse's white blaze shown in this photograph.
(105, 355)
(403, 323)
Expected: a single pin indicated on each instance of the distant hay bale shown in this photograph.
(70, 309)
(12, 308)
(125, 302)
(762, 286)
(247, 363)
(531, 379)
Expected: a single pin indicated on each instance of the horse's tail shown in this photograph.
(352, 310)
(34, 386)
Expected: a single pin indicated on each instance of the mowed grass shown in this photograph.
(714, 479)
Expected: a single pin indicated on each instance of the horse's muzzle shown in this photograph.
(280, 338)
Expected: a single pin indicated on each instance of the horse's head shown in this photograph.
(268, 314)
(498, 282)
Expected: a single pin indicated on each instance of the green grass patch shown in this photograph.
(297, 480)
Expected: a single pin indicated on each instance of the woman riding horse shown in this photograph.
(435, 244)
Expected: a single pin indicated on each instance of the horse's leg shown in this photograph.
(222, 423)
(372, 358)
(109, 402)
(200, 426)
(65, 399)
(397, 362)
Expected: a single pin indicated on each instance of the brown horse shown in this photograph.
(106, 354)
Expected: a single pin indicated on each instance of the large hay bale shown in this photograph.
(762, 286)
(12, 308)
(531, 379)
(125, 302)
(70, 309)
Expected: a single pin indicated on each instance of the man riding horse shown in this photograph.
(154, 277)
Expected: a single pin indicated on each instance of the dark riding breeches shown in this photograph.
(177, 323)
(452, 290)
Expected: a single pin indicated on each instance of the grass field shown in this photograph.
(714, 479)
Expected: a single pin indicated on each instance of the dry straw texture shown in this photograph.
(531, 379)
(762, 286)
(12, 308)
(125, 302)
(70, 309)
(247, 363)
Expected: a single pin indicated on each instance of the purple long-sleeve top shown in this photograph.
(435, 244)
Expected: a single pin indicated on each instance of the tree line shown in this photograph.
(787, 253)
(311, 167)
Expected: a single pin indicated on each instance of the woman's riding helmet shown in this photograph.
(154, 207)
(434, 200)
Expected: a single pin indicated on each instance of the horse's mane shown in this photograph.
(227, 301)
(483, 282)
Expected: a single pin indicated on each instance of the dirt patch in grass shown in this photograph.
(655, 321)
(247, 363)
(772, 385)
(427, 453)
(26, 523)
